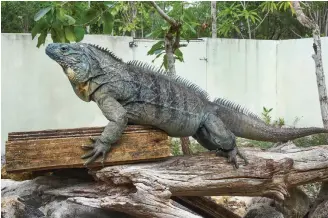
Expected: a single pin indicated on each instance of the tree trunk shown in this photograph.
(133, 16)
(213, 14)
(317, 57)
(141, 189)
(88, 27)
(171, 43)
(169, 50)
(185, 145)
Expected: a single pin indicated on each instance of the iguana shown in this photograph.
(138, 93)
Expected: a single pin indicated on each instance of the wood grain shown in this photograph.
(54, 149)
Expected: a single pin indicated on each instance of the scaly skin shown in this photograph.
(136, 93)
(247, 125)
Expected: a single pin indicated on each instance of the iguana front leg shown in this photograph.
(117, 118)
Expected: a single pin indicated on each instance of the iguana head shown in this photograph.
(73, 58)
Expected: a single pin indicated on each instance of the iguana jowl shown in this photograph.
(138, 93)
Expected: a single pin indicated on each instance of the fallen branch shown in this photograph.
(145, 189)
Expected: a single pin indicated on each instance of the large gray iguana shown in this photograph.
(140, 94)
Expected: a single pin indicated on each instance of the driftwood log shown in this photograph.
(145, 190)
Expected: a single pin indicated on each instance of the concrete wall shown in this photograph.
(36, 94)
(274, 74)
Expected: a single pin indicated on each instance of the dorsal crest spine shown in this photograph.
(107, 51)
(236, 107)
(147, 68)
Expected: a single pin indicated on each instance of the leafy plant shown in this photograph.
(158, 49)
(67, 22)
(266, 115)
(176, 147)
(280, 122)
(268, 119)
(180, 12)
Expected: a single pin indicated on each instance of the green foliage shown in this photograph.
(178, 55)
(41, 13)
(266, 115)
(17, 16)
(268, 120)
(58, 20)
(67, 22)
(269, 6)
(158, 49)
(179, 11)
(313, 140)
(267, 19)
(280, 122)
(165, 63)
(233, 15)
(78, 33)
(195, 147)
(108, 22)
(176, 148)
(241, 142)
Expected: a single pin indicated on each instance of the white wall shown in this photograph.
(36, 95)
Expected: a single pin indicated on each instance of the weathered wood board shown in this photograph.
(55, 149)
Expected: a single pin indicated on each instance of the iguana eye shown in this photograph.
(63, 48)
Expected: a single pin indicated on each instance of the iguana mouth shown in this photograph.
(63, 64)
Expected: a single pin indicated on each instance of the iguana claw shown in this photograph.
(98, 148)
(232, 156)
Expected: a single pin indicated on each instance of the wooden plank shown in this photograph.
(55, 149)
(76, 132)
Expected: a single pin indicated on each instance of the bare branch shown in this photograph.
(302, 18)
(164, 15)
(296, 33)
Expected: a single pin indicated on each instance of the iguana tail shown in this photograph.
(245, 124)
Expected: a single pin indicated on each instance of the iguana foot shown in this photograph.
(98, 148)
(232, 156)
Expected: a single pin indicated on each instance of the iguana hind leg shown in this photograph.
(214, 135)
(232, 155)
